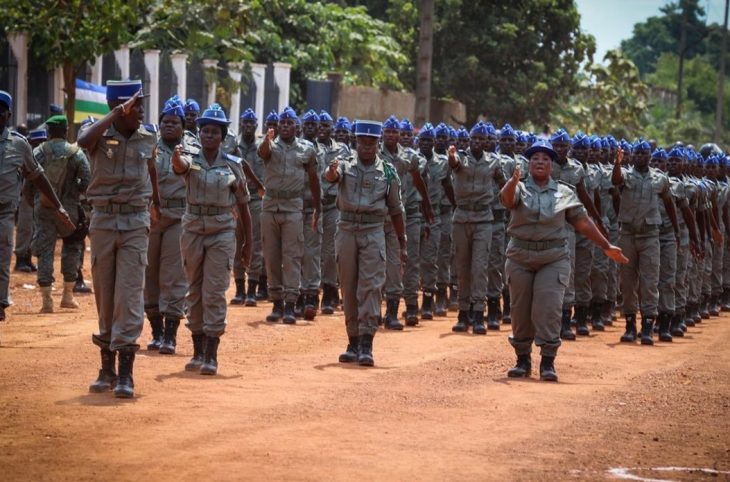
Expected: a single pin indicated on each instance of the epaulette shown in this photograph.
(151, 128)
(572, 188)
(18, 134)
(390, 173)
(232, 158)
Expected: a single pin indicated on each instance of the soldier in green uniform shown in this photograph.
(368, 191)
(538, 261)
(67, 169)
(215, 186)
(123, 182)
(475, 173)
(165, 284)
(287, 162)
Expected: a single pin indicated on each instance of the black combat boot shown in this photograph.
(596, 320)
(310, 307)
(210, 359)
(411, 315)
(289, 317)
(107, 375)
(263, 293)
(493, 313)
(453, 298)
(23, 264)
(675, 325)
(462, 322)
(157, 332)
(647, 326)
(689, 318)
(250, 300)
(714, 307)
(506, 309)
(298, 306)
(80, 285)
(352, 351)
(547, 369)
(240, 297)
(198, 353)
(606, 313)
(2, 313)
(170, 341)
(477, 320)
(277, 312)
(328, 305)
(664, 320)
(581, 322)
(704, 308)
(440, 309)
(125, 382)
(391, 315)
(566, 332)
(427, 306)
(629, 335)
(365, 356)
(522, 369)
(725, 300)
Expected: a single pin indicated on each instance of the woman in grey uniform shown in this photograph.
(216, 185)
(538, 262)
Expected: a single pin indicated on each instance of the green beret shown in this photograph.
(57, 120)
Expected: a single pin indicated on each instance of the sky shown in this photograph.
(611, 21)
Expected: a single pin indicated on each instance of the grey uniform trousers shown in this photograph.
(24, 229)
(330, 216)
(471, 249)
(640, 276)
(361, 268)
(537, 282)
(283, 240)
(569, 296)
(706, 269)
(718, 258)
(495, 271)
(667, 272)
(725, 264)
(393, 287)
(600, 272)
(165, 284)
(118, 262)
(44, 246)
(694, 284)
(582, 270)
(681, 289)
(208, 261)
(446, 271)
(257, 255)
(412, 271)
(429, 262)
(7, 222)
(311, 255)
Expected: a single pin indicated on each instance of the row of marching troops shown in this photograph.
(174, 209)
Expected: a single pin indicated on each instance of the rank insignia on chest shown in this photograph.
(367, 183)
(194, 167)
(112, 142)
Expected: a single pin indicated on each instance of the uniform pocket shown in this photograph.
(143, 258)
(563, 279)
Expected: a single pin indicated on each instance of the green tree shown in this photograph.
(71, 33)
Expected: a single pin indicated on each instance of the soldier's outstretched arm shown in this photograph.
(507, 194)
(264, 150)
(585, 198)
(420, 186)
(585, 226)
(251, 176)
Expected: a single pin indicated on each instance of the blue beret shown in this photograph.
(625, 145)
(191, 105)
(391, 123)
(272, 117)
(173, 106)
(581, 141)
(541, 145)
(560, 136)
(249, 114)
(462, 133)
(426, 132)
(596, 143)
(676, 151)
(310, 116)
(605, 144)
(452, 132)
(531, 138)
(325, 116)
(641, 145)
(405, 125)
(88, 120)
(522, 137)
(213, 115)
(342, 124)
(288, 113)
(660, 154)
(38, 135)
(441, 130)
(122, 89)
(724, 161)
(368, 128)
(55, 109)
(491, 131)
(507, 131)
(6, 99)
(712, 161)
(480, 129)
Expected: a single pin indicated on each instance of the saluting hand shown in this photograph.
(270, 134)
(177, 153)
(127, 106)
(615, 253)
(517, 175)
(619, 157)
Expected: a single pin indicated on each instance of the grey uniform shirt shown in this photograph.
(405, 163)
(508, 168)
(571, 172)
(640, 197)
(436, 170)
(366, 190)
(285, 174)
(542, 212)
(16, 161)
(249, 153)
(120, 175)
(170, 185)
(221, 184)
(326, 153)
(474, 181)
(679, 192)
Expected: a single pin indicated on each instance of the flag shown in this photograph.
(90, 101)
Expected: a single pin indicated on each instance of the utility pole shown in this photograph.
(682, 49)
(721, 79)
(423, 69)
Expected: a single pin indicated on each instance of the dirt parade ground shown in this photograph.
(437, 406)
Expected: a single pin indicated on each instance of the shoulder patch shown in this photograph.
(151, 128)
(18, 134)
(390, 173)
(568, 185)
(232, 158)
